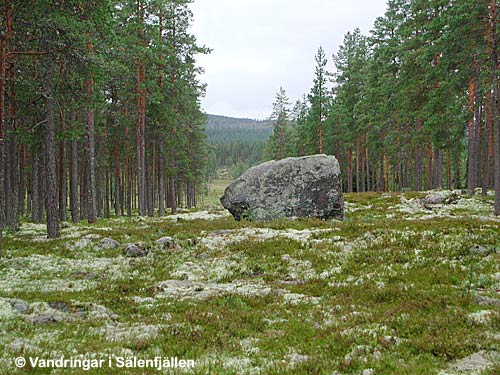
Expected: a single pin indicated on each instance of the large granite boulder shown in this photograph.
(309, 186)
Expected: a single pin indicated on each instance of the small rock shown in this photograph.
(92, 236)
(442, 197)
(20, 306)
(134, 251)
(61, 306)
(369, 236)
(19, 344)
(486, 301)
(474, 362)
(479, 250)
(166, 242)
(221, 232)
(80, 312)
(65, 224)
(46, 318)
(367, 371)
(108, 243)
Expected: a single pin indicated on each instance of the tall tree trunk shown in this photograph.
(419, 159)
(496, 126)
(107, 190)
(50, 151)
(368, 184)
(41, 185)
(141, 173)
(386, 173)
(22, 180)
(90, 152)
(100, 171)
(128, 175)
(448, 168)
(4, 42)
(428, 172)
(73, 183)
(140, 92)
(62, 173)
(171, 196)
(35, 158)
(358, 185)
(11, 172)
(471, 139)
(438, 168)
(161, 179)
(117, 179)
(349, 171)
(83, 185)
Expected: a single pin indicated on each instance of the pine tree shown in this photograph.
(319, 99)
(280, 115)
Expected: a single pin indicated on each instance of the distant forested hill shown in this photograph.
(221, 129)
(236, 143)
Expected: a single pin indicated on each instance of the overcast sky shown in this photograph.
(260, 45)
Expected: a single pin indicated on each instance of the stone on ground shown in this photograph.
(166, 242)
(134, 251)
(108, 243)
(309, 186)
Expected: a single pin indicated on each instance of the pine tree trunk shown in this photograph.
(368, 182)
(496, 125)
(419, 159)
(117, 180)
(73, 183)
(90, 158)
(438, 168)
(50, 152)
(349, 171)
(22, 181)
(448, 168)
(62, 174)
(83, 188)
(149, 191)
(471, 141)
(171, 196)
(358, 185)
(456, 168)
(2, 151)
(100, 171)
(41, 185)
(161, 179)
(428, 169)
(10, 147)
(107, 191)
(34, 185)
(386, 173)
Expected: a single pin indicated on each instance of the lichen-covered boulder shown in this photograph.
(309, 186)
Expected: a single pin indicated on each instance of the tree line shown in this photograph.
(412, 106)
(236, 143)
(99, 110)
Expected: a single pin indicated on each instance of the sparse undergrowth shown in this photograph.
(400, 287)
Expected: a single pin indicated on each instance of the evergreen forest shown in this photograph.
(99, 110)
(117, 252)
(411, 106)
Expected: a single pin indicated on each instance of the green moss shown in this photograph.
(392, 293)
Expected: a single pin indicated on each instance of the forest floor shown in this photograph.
(399, 287)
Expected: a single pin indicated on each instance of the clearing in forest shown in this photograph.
(400, 287)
